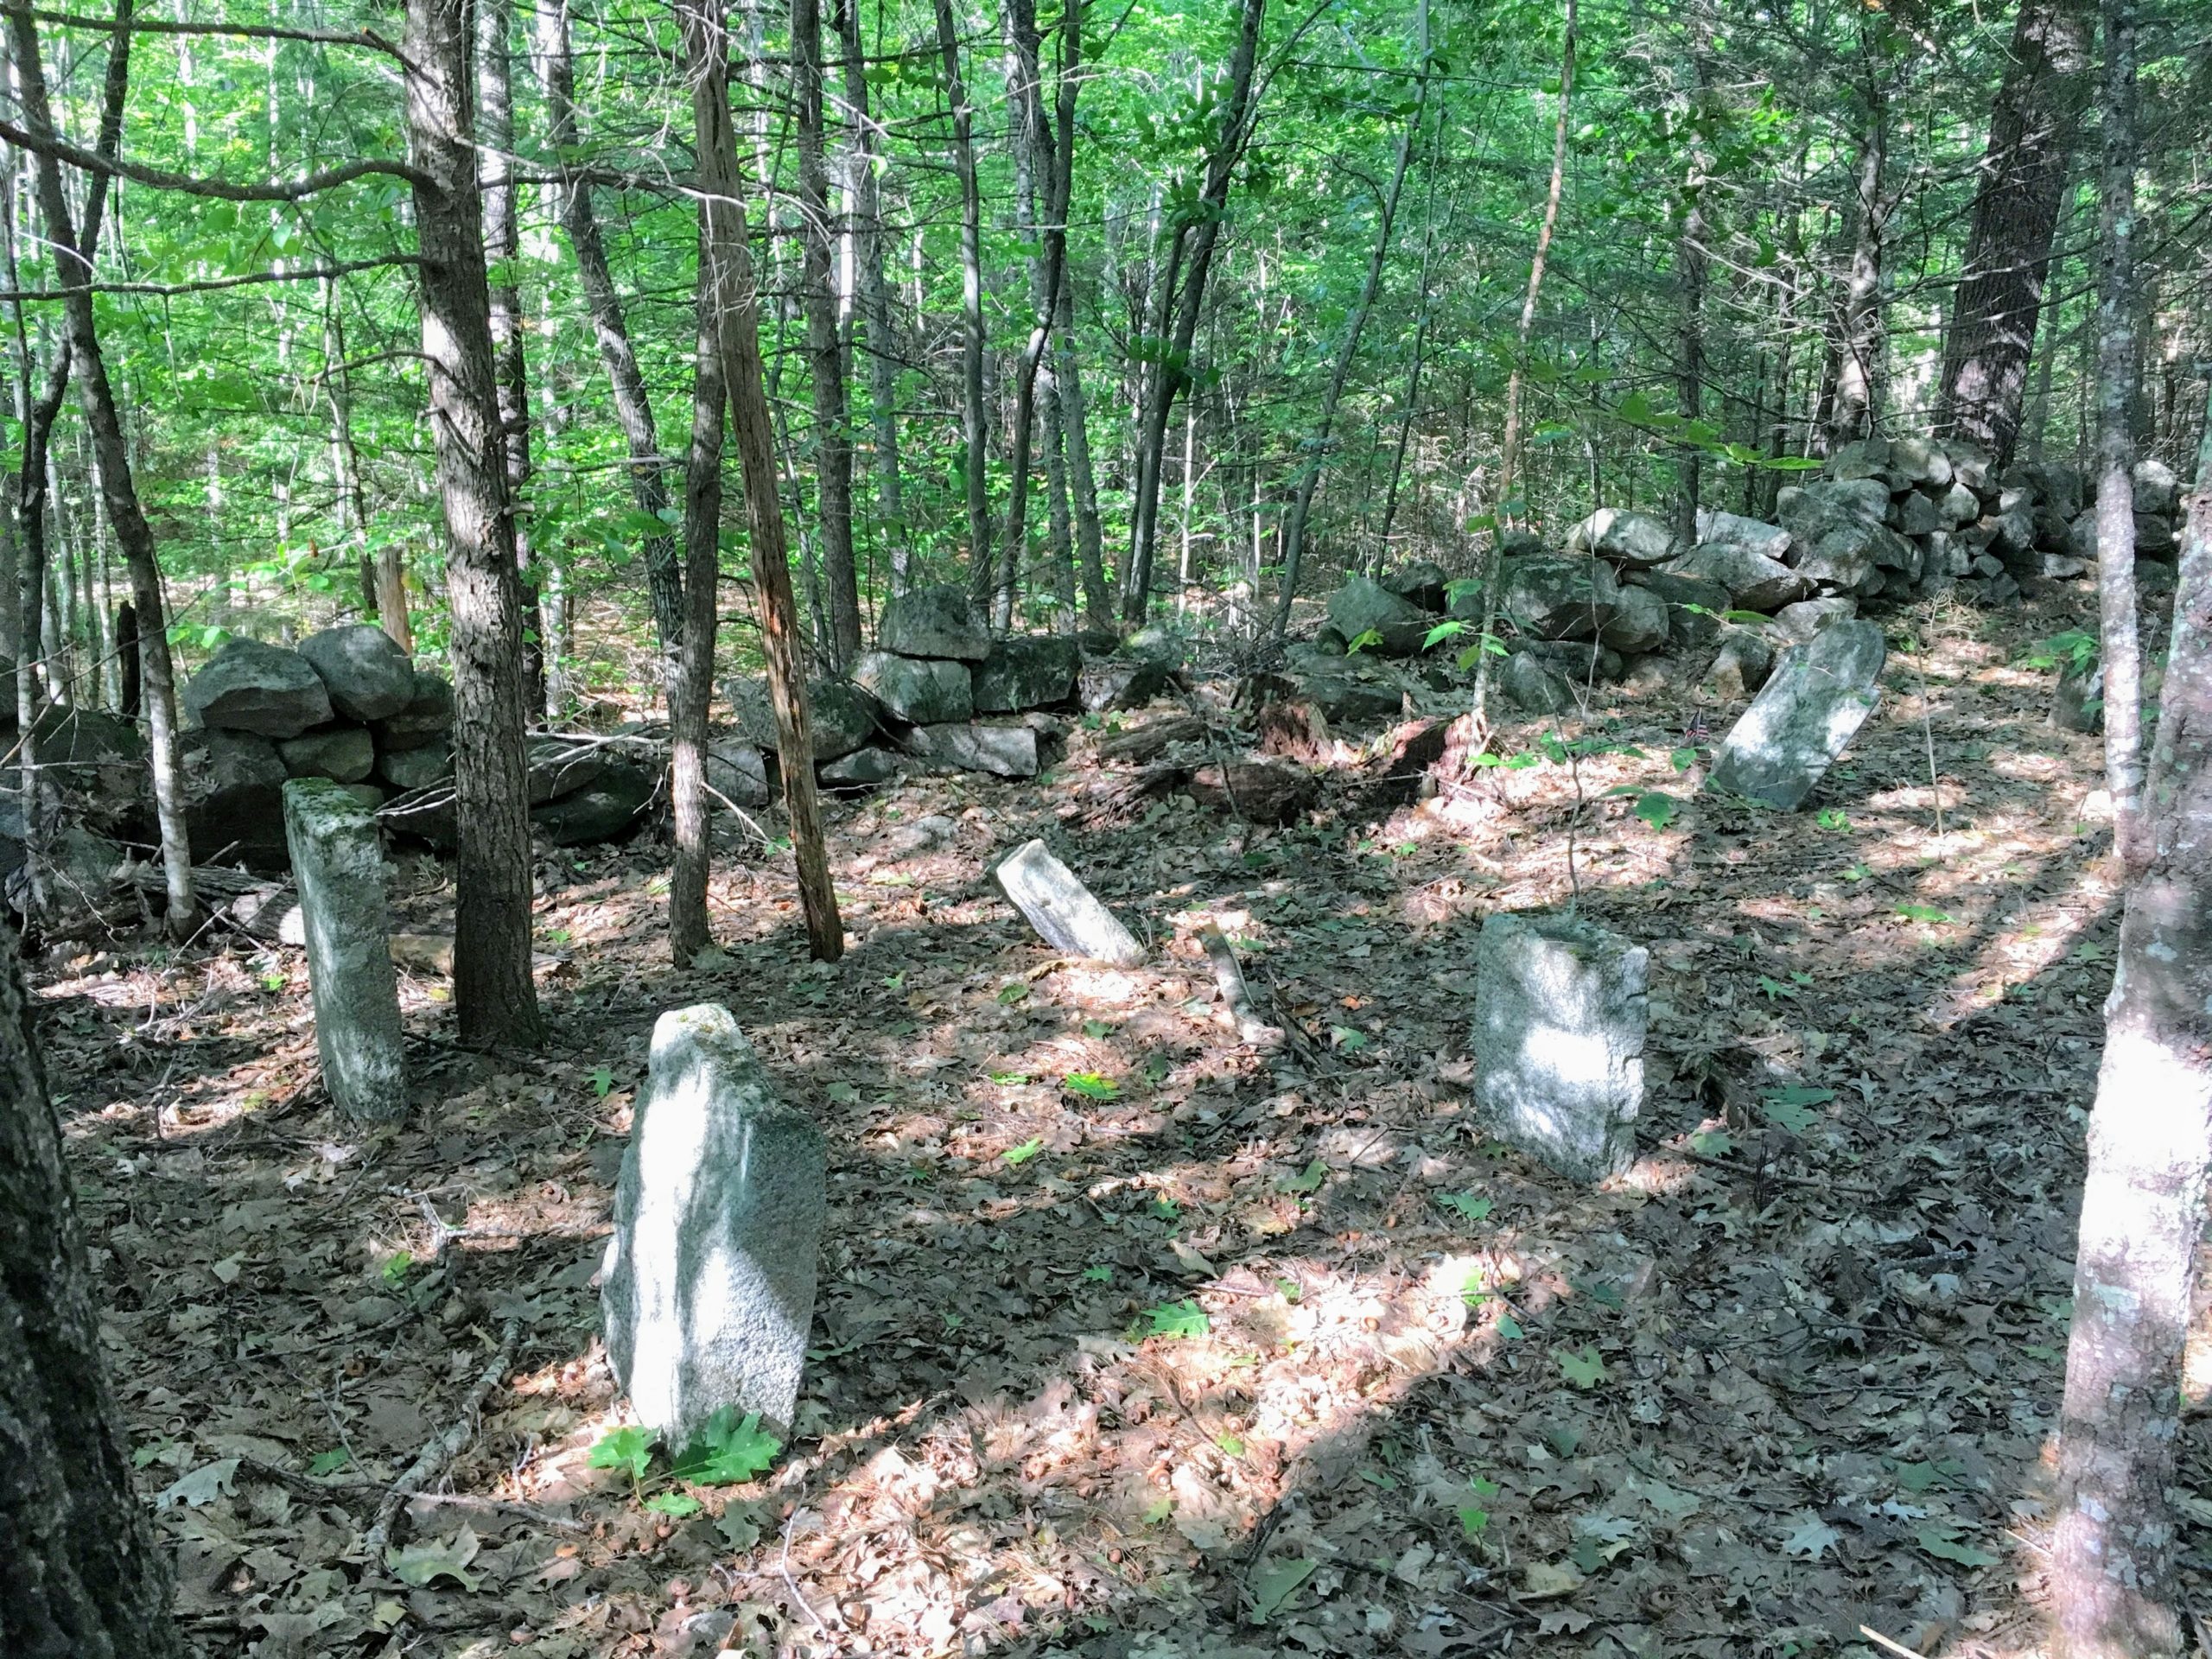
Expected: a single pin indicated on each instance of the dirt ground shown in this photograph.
(1133, 1339)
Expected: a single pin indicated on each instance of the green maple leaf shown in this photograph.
(630, 1448)
(727, 1452)
(1584, 1369)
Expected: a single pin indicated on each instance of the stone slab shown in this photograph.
(338, 866)
(1065, 912)
(1814, 703)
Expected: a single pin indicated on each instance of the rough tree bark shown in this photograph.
(1690, 263)
(825, 356)
(509, 361)
(738, 333)
(1858, 333)
(872, 294)
(2113, 1582)
(2120, 646)
(633, 407)
(81, 1574)
(1508, 460)
(493, 987)
(73, 274)
(2021, 191)
(1190, 254)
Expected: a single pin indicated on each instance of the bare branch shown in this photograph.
(223, 189)
(367, 37)
(212, 284)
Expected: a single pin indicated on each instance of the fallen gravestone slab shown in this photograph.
(339, 868)
(708, 1288)
(1063, 911)
(1559, 1019)
(1815, 701)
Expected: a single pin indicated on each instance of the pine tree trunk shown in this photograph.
(2112, 1577)
(825, 356)
(633, 407)
(2033, 126)
(738, 332)
(1851, 412)
(493, 987)
(509, 362)
(81, 1574)
(873, 294)
(132, 532)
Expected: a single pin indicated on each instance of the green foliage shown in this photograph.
(1183, 1318)
(1017, 1156)
(628, 1447)
(2075, 651)
(728, 1451)
(1092, 1085)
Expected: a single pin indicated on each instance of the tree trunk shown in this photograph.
(71, 273)
(1851, 412)
(509, 363)
(1185, 303)
(81, 1573)
(692, 690)
(2121, 645)
(2112, 1576)
(2021, 192)
(1690, 261)
(975, 420)
(345, 462)
(738, 334)
(873, 294)
(825, 357)
(493, 987)
(1309, 476)
(633, 407)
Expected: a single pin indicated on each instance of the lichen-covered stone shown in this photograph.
(338, 866)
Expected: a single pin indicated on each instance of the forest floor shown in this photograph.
(1134, 1340)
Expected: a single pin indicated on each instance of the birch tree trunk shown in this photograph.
(493, 987)
(873, 296)
(2113, 1588)
(2120, 647)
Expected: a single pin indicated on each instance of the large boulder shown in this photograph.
(415, 768)
(736, 770)
(2156, 489)
(426, 717)
(923, 690)
(1363, 606)
(1631, 541)
(1739, 531)
(1740, 668)
(345, 754)
(368, 676)
(1533, 688)
(1002, 750)
(1752, 581)
(560, 766)
(841, 717)
(1919, 462)
(1027, 672)
(1347, 690)
(249, 687)
(1863, 459)
(1808, 511)
(861, 769)
(1638, 623)
(1794, 624)
(1557, 598)
(2056, 481)
(234, 799)
(1694, 605)
(1813, 704)
(93, 765)
(933, 621)
(608, 806)
(1422, 583)
(1576, 661)
(1118, 681)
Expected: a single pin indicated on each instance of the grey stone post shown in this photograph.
(1560, 1017)
(708, 1291)
(339, 867)
(1064, 912)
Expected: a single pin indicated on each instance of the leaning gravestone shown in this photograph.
(1560, 1020)
(708, 1291)
(1062, 910)
(339, 868)
(1814, 703)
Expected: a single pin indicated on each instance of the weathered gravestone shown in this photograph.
(1560, 1020)
(339, 868)
(1062, 910)
(1816, 698)
(708, 1292)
